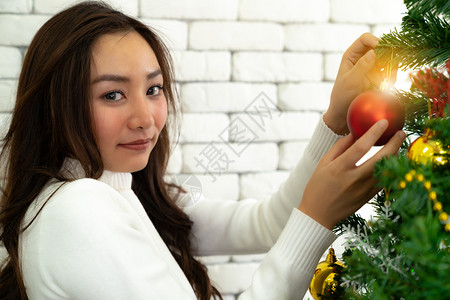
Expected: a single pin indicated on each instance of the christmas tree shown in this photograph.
(404, 251)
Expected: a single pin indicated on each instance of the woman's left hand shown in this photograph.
(358, 70)
(338, 187)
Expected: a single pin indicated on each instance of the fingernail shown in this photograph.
(383, 123)
(401, 134)
(371, 55)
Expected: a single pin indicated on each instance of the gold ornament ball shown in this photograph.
(325, 274)
(425, 150)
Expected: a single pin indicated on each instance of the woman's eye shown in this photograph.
(113, 96)
(154, 90)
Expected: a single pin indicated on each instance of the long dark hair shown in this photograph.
(51, 121)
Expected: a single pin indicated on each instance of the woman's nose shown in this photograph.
(142, 116)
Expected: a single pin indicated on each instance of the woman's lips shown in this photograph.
(138, 145)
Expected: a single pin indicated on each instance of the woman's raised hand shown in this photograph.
(358, 70)
(338, 187)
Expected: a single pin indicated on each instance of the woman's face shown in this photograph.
(129, 107)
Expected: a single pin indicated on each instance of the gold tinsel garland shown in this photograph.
(437, 205)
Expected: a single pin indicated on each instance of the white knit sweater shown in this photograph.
(93, 239)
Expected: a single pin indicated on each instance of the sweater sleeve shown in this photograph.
(88, 243)
(287, 269)
(251, 226)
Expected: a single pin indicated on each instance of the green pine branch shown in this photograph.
(419, 7)
(402, 254)
(416, 110)
(424, 40)
(441, 127)
(352, 221)
(404, 251)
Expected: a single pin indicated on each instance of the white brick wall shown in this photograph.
(332, 61)
(16, 6)
(202, 65)
(285, 11)
(236, 36)
(7, 92)
(10, 62)
(223, 96)
(366, 11)
(261, 185)
(277, 126)
(190, 9)
(18, 30)
(232, 57)
(318, 92)
(173, 32)
(277, 66)
(323, 37)
(199, 127)
(50, 7)
(255, 157)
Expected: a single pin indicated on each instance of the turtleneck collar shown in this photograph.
(117, 180)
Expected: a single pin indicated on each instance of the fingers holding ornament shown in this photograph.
(360, 70)
(372, 106)
(358, 49)
(376, 104)
(363, 145)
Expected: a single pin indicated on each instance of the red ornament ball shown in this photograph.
(371, 106)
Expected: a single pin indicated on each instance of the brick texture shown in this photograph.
(322, 37)
(314, 96)
(367, 11)
(173, 32)
(236, 36)
(190, 9)
(18, 30)
(51, 6)
(10, 62)
(277, 67)
(223, 96)
(7, 95)
(16, 6)
(202, 65)
(285, 11)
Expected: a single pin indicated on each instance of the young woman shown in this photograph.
(85, 212)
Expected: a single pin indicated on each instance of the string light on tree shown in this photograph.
(432, 195)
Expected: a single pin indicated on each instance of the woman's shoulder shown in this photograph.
(82, 199)
(82, 226)
(76, 214)
(85, 186)
(80, 191)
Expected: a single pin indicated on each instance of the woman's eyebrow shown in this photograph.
(111, 77)
(154, 74)
(120, 78)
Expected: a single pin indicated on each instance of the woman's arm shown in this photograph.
(251, 226)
